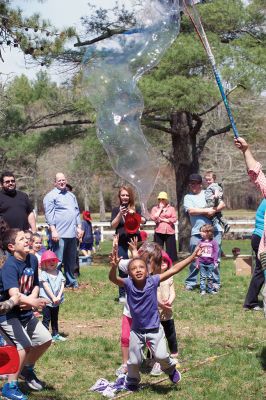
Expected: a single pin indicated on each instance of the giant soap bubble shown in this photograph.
(111, 70)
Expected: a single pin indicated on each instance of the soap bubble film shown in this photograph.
(112, 68)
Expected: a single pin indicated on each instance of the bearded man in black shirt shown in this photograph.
(15, 206)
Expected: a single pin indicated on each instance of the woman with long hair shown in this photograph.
(126, 206)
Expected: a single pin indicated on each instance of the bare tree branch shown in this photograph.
(220, 101)
(211, 133)
(63, 123)
(158, 127)
(167, 156)
(109, 33)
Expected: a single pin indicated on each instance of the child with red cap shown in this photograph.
(52, 283)
(86, 245)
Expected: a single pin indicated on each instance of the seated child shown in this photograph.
(19, 326)
(213, 197)
(141, 290)
(208, 260)
(52, 283)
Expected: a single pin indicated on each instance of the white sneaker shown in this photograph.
(156, 370)
(58, 338)
(203, 292)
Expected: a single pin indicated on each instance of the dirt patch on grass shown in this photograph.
(107, 328)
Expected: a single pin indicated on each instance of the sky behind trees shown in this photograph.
(61, 13)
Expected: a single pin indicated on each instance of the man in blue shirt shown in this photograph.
(196, 207)
(63, 217)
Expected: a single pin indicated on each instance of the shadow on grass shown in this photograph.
(163, 389)
(262, 357)
(49, 393)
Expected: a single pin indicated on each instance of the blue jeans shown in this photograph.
(206, 274)
(191, 280)
(66, 250)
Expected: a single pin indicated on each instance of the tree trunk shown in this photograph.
(185, 161)
(101, 200)
(86, 202)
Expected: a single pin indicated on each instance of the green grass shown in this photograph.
(228, 245)
(206, 327)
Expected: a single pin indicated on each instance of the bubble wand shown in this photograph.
(196, 21)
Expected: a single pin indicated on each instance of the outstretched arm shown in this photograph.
(180, 265)
(114, 260)
(254, 167)
(242, 145)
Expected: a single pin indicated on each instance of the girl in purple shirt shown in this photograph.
(141, 290)
(208, 260)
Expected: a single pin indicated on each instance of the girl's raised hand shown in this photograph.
(133, 246)
(115, 244)
(114, 259)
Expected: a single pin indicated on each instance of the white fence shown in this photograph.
(107, 231)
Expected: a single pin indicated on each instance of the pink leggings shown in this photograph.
(125, 333)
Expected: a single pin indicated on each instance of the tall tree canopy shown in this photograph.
(33, 35)
(181, 97)
(181, 91)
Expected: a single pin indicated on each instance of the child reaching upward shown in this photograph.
(152, 255)
(52, 283)
(141, 290)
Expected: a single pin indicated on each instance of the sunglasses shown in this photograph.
(10, 181)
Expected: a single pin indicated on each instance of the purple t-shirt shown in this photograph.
(143, 303)
(210, 251)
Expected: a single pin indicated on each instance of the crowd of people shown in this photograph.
(37, 264)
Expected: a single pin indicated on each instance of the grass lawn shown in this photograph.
(222, 348)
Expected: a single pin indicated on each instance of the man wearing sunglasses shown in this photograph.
(15, 206)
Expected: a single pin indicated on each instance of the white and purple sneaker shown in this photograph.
(175, 376)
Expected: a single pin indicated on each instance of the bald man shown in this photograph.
(63, 217)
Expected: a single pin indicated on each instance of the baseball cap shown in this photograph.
(86, 215)
(195, 178)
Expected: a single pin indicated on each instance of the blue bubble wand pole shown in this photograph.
(196, 21)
